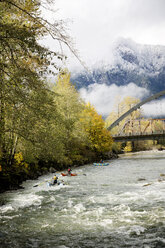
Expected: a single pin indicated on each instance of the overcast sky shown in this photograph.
(95, 25)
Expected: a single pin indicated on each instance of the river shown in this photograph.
(120, 205)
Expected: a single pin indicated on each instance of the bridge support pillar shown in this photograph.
(151, 126)
(139, 126)
(133, 145)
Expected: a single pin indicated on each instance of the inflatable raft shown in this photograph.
(100, 164)
(57, 184)
(66, 174)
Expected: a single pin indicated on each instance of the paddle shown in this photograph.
(58, 178)
(39, 184)
(45, 182)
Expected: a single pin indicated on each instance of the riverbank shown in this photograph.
(11, 178)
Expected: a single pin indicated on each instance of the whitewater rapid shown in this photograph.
(120, 205)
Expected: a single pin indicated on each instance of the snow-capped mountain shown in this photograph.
(143, 65)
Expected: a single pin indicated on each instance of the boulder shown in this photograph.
(52, 170)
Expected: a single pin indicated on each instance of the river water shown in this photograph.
(120, 205)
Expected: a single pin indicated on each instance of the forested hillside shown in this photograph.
(131, 63)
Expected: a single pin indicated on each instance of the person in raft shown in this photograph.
(101, 161)
(69, 171)
(54, 180)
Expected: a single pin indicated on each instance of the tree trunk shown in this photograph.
(2, 123)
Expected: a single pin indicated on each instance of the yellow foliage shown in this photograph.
(119, 109)
(128, 147)
(26, 165)
(19, 162)
(93, 124)
(18, 158)
(68, 99)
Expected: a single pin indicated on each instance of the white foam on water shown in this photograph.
(46, 187)
(70, 203)
(95, 213)
(136, 229)
(91, 199)
(26, 200)
(106, 223)
(123, 209)
(79, 208)
(152, 193)
(62, 246)
(6, 208)
(45, 225)
(6, 217)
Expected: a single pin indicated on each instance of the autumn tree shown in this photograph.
(128, 125)
(70, 107)
(23, 65)
(100, 139)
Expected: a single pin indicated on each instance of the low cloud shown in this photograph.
(103, 97)
(155, 109)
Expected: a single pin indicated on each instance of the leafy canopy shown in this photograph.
(99, 137)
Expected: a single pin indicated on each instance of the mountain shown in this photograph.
(143, 65)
